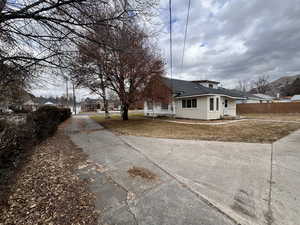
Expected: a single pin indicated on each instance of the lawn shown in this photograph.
(242, 131)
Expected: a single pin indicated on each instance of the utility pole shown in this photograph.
(67, 92)
(74, 100)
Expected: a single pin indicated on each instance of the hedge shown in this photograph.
(39, 125)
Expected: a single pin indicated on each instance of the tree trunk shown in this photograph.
(125, 112)
(106, 108)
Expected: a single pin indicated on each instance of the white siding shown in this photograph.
(202, 111)
(215, 114)
(192, 113)
(157, 110)
(231, 109)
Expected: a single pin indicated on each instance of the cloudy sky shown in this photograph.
(227, 40)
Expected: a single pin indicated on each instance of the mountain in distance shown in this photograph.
(277, 86)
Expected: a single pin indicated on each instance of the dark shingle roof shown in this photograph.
(183, 88)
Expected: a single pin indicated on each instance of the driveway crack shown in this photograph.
(269, 213)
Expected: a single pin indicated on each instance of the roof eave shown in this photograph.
(191, 96)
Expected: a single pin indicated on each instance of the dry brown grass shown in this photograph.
(275, 116)
(242, 131)
(141, 172)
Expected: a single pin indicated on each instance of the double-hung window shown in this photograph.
(211, 104)
(183, 103)
(164, 106)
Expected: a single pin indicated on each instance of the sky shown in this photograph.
(227, 41)
(231, 40)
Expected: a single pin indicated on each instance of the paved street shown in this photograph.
(198, 182)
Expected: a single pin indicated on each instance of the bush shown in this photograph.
(46, 120)
(39, 125)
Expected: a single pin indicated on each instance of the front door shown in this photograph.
(225, 107)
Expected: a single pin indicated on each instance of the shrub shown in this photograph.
(39, 125)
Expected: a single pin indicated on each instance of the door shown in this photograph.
(225, 107)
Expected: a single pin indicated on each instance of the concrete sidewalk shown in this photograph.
(122, 199)
(234, 177)
(199, 182)
(285, 197)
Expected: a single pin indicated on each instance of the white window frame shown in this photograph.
(213, 104)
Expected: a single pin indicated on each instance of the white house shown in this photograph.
(201, 99)
(295, 98)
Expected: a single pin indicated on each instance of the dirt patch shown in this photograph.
(141, 172)
(46, 189)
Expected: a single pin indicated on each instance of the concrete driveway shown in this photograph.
(199, 182)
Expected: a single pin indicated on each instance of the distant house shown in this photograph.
(49, 103)
(295, 98)
(201, 99)
(248, 98)
(90, 105)
(265, 98)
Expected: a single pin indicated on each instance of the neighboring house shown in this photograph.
(295, 98)
(265, 98)
(284, 99)
(90, 105)
(255, 98)
(201, 99)
(49, 103)
(248, 98)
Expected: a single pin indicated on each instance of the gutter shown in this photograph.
(190, 96)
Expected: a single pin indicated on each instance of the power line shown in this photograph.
(185, 33)
(171, 44)
(171, 54)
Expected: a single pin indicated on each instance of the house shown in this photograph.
(49, 103)
(201, 99)
(265, 98)
(248, 98)
(90, 105)
(295, 98)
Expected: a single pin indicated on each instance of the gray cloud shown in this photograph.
(232, 40)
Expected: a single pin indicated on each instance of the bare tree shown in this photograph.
(88, 71)
(126, 65)
(131, 69)
(243, 86)
(261, 85)
(38, 34)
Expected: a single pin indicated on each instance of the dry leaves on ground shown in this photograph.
(46, 189)
(141, 172)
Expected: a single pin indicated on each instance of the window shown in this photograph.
(211, 104)
(217, 104)
(164, 106)
(189, 103)
(194, 103)
(226, 103)
(150, 105)
(211, 86)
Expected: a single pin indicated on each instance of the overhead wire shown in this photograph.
(185, 34)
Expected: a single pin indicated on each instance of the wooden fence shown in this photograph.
(282, 107)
